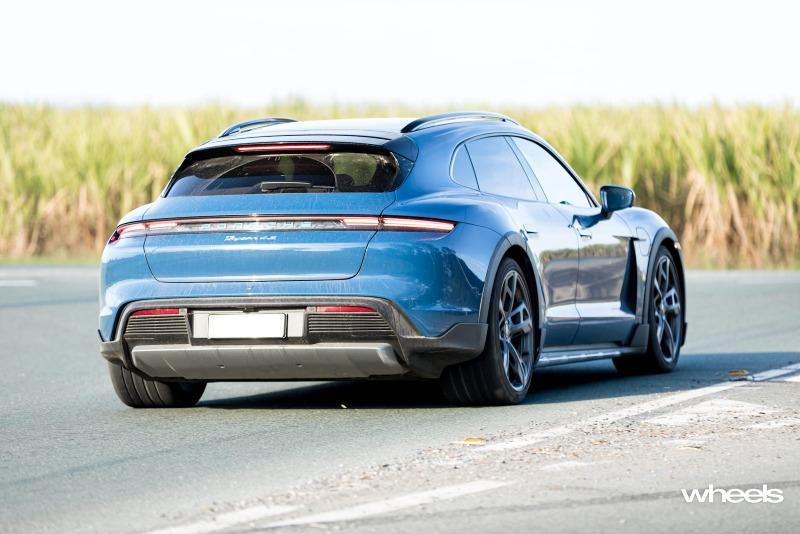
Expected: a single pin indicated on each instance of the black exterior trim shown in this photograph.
(424, 356)
(253, 123)
(509, 240)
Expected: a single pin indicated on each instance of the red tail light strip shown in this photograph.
(343, 309)
(157, 311)
(422, 225)
(277, 224)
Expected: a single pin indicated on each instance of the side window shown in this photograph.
(558, 184)
(498, 170)
(462, 171)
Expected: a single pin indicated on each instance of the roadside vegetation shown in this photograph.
(727, 179)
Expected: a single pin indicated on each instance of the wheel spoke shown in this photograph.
(659, 326)
(670, 339)
(663, 269)
(504, 345)
(513, 283)
(520, 320)
(517, 365)
(512, 292)
(661, 278)
(671, 302)
(507, 300)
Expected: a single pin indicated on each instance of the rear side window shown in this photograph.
(498, 169)
(558, 184)
(346, 172)
(462, 171)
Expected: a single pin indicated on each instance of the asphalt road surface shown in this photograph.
(589, 451)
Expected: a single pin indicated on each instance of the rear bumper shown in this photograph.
(267, 362)
(405, 352)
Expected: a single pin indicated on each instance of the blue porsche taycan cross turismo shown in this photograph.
(458, 247)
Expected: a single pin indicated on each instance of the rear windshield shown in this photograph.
(346, 172)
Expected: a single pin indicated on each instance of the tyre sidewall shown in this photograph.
(493, 351)
(661, 362)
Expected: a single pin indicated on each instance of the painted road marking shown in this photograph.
(227, 520)
(230, 519)
(636, 409)
(775, 373)
(393, 504)
(10, 282)
(714, 410)
(571, 464)
(792, 378)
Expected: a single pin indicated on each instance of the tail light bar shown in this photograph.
(343, 309)
(156, 311)
(283, 147)
(277, 224)
(421, 225)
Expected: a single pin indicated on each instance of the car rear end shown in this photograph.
(279, 260)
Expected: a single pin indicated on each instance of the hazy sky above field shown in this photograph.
(421, 53)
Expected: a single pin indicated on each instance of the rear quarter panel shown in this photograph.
(436, 280)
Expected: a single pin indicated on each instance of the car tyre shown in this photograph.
(502, 373)
(665, 317)
(138, 392)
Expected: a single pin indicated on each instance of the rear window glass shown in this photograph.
(346, 172)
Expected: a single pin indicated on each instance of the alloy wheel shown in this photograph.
(515, 329)
(667, 308)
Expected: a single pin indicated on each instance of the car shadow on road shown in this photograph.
(577, 382)
(599, 380)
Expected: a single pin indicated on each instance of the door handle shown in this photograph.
(583, 232)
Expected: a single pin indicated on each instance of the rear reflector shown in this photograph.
(285, 147)
(157, 311)
(279, 224)
(343, 309)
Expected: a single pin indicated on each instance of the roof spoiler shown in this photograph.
(252, 124)
(458, 116)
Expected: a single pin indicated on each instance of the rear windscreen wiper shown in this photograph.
(268, 187)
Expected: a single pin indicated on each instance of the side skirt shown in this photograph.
(559, 357)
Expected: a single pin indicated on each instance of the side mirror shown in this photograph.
(616, 197)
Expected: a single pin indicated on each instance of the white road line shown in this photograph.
(227, 520)
(393, 504)
(793, 378)
(712, 410)
(636, 409)
(571, 464)
(410, 500)
(18, 283)
(775, 373)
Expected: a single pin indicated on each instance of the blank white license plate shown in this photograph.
(247, 325)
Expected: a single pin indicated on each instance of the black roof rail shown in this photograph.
(457, 116)
(252, 124)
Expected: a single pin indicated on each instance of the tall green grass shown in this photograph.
(727, 179)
